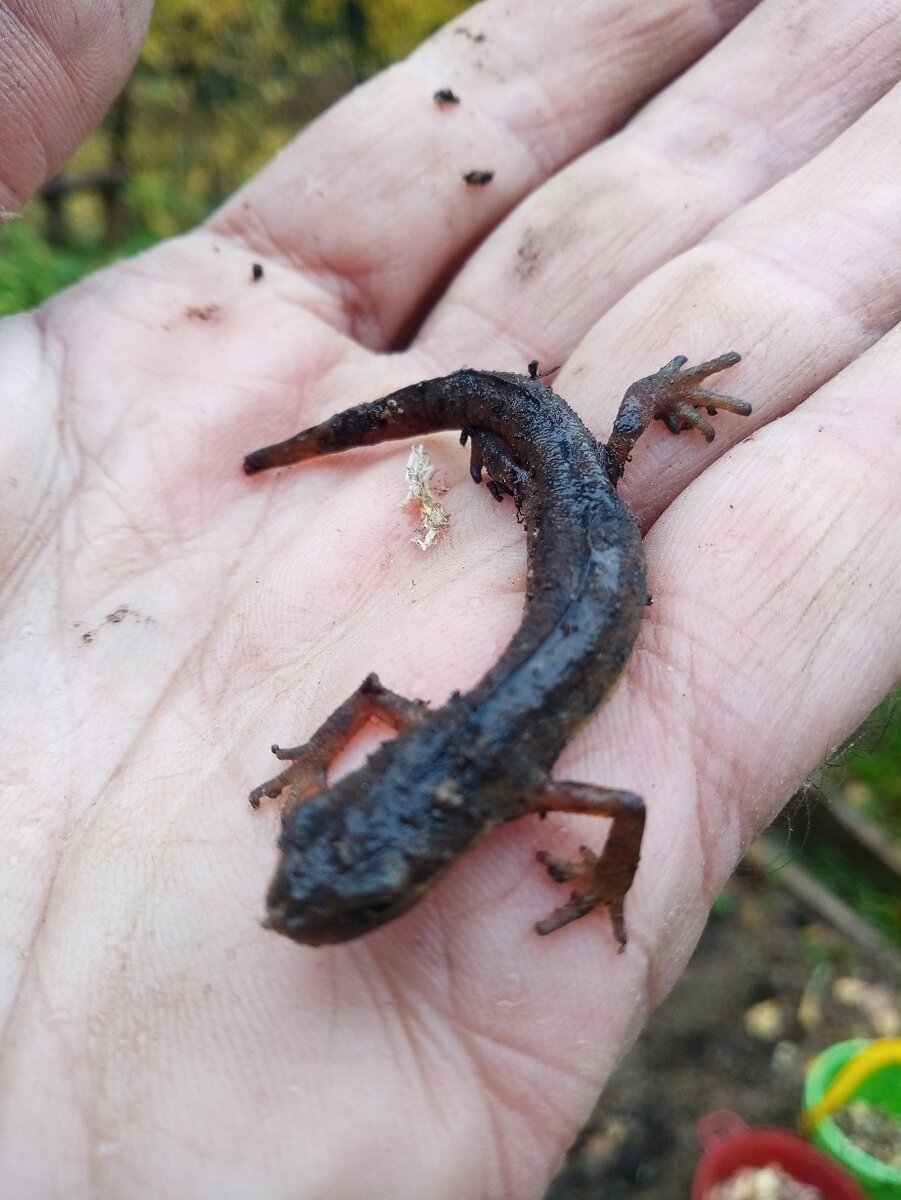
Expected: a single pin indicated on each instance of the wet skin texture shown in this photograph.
(360, 852)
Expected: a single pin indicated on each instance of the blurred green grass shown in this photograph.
(873, 761)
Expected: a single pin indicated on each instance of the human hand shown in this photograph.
(165, 618)
(60, 66)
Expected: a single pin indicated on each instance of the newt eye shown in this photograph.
(377, 908)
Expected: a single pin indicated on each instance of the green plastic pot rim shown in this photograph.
(833, 1140)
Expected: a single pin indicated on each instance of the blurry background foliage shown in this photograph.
(217, 90)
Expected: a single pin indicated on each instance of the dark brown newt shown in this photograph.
(360, 852)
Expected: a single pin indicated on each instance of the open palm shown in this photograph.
(165, 618)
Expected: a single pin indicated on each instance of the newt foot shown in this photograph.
(595, 884)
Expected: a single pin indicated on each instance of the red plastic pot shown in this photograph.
(729, 1145)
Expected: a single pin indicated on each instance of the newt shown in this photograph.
(359, 852)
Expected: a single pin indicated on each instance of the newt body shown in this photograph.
(360, 852)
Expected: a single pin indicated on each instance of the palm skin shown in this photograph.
(165, 618)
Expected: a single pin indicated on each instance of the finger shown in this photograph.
(801, 281)
(774, 92)
(61, 66)
(371, 199)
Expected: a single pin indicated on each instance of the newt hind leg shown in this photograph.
(674, 396)
(598, 879)
(310, 762)
(489, 453)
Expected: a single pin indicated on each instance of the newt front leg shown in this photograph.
(310, 762)
(599, 879)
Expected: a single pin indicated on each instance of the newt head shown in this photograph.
(338, 877)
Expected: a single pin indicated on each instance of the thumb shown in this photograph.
(61, 65)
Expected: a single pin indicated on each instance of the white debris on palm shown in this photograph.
(432, 517)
